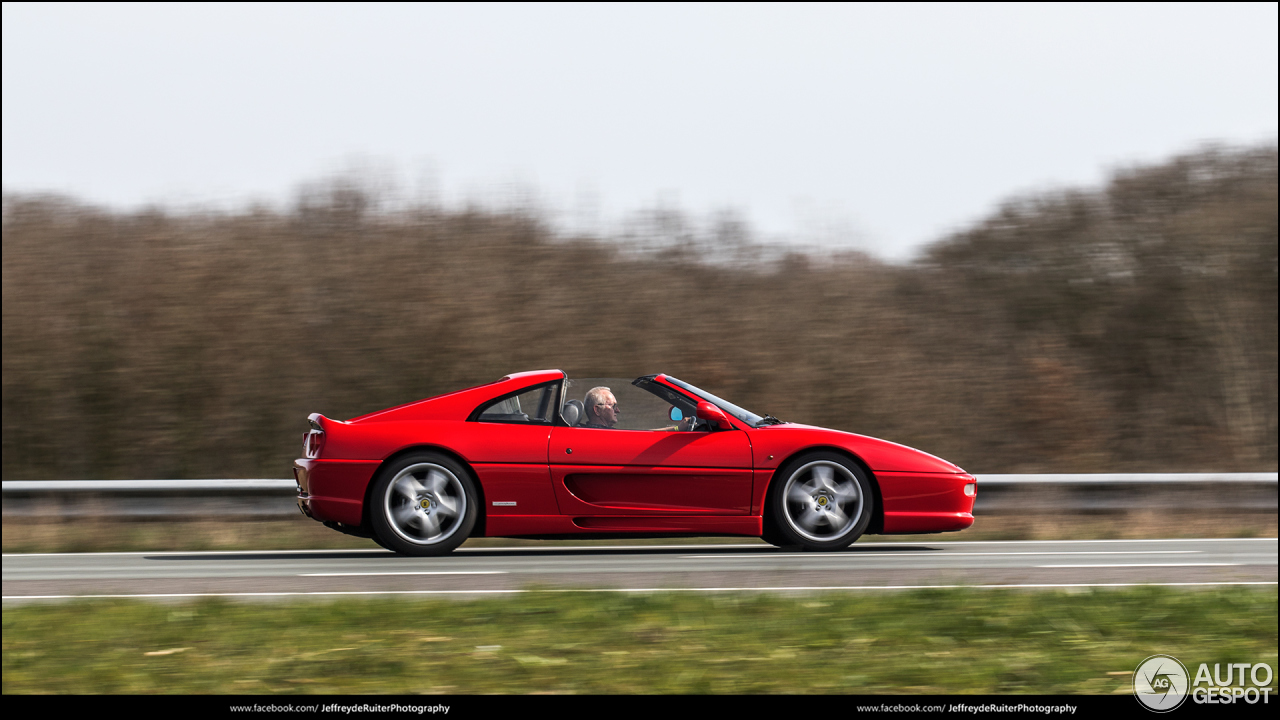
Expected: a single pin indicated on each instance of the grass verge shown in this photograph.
(936, 641)
(106, 535)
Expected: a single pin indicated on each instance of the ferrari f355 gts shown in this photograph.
(540, 455)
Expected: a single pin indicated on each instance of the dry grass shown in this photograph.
(98, 535)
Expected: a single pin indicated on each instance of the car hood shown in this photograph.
(879, 455)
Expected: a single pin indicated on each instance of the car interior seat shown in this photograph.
(573, 412)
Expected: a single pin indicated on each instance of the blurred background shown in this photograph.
(1029, 239)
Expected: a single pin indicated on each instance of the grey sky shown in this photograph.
(879, 127)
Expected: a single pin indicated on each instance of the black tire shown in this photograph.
(423, 504)
(819, 501)
(771, 533)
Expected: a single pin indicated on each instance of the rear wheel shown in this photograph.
(820, 501)
(423, 504)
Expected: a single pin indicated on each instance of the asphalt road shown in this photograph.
(471, 572)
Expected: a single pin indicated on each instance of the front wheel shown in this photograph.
(820, 501)
(423, 504)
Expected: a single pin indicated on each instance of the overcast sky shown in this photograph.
(875, 127)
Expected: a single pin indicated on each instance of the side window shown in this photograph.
(612, 403)
(533, 406)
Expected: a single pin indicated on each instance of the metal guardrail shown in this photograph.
(997, 495)
(1126, 492)
(1039, 480)
(186, 487)
(150, 499)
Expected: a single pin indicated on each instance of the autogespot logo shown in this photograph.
(1160, 683)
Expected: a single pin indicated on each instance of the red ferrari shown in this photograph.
(537, 454)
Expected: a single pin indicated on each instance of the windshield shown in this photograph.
(745, 416)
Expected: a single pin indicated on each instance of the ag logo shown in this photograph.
(1160, 683)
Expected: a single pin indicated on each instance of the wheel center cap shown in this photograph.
(822, 500)
(425, 504)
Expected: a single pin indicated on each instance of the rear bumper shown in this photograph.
(333, 490)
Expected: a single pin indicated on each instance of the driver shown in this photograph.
(601, 408)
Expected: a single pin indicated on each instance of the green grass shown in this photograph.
(938, 641)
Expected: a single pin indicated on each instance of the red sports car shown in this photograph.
(537, 454)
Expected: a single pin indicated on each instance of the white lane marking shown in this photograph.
(816, 588)
(943, 553)
(544, 548)
(1081, 542)
(1138, 565)
(380, 552)
(412, 572)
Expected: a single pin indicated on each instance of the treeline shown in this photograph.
(1127, 328)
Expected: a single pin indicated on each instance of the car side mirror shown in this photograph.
(675, 414)
(713, 415)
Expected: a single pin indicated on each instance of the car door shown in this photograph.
(606, 471)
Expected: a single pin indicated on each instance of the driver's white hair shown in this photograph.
(594, 395)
